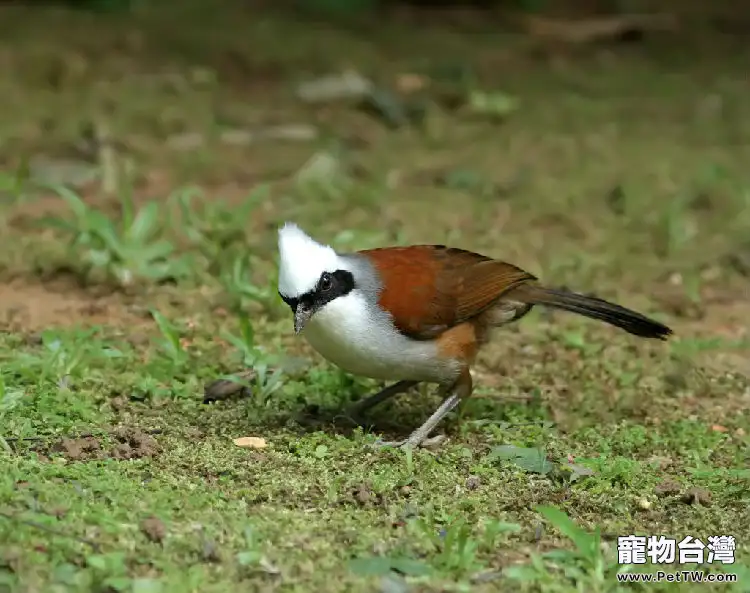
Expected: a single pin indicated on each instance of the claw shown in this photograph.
(381, 444)
(435, 441)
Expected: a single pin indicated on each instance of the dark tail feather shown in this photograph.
(595, 308)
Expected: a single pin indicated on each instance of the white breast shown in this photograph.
(362, 341)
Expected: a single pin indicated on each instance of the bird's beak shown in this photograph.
(301, 317)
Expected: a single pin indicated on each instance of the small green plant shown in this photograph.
(170, 342)
(58, 359)
(453, 549)
(128, 251)
(383, 565)
(212, 226)
(252, 556)
(458, 552)
(217, 231)
(109, 571)
(267, 381)
(675, 229)
(585, 565)
(13, 185)
(453, 546)
(43, 384)
(239, 287)
(9, 400)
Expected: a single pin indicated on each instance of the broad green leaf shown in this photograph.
(249, 558)
(154, 251)
(76, 204)
(372, 566)
(144, 223)
(118, 583)
(147, 586)
(522, 573)
(410, 567)
(529, 459)
(568, 528)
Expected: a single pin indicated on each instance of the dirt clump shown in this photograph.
(667, 487)
(154, 529)
(118, 403)
(134, 443)
(130, 443)
(697, 496)
(80, 449)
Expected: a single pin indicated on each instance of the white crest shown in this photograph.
(302, 261)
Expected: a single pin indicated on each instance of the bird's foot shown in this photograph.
(411, 444)
(381, 444)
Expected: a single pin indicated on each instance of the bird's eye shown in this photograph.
(325, 282)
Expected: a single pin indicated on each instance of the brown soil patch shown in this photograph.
(723, 313)
(80, 449)
(33, 307)
(130, 443)
(730, 321)
(154, 529)
(134, 444)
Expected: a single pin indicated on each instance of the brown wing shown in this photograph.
(430, 288)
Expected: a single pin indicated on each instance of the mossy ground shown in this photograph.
(622, 172)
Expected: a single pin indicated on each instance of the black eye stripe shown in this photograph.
(330, 286)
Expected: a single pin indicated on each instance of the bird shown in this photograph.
(418, 314)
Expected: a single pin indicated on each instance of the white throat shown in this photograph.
(355, 335)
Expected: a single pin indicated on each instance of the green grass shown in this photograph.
(621, 173)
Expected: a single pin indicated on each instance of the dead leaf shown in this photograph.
(251, 442)
(225, 388)
(719, 428)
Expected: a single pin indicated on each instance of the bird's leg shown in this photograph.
(457, 391)
(356, 410)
